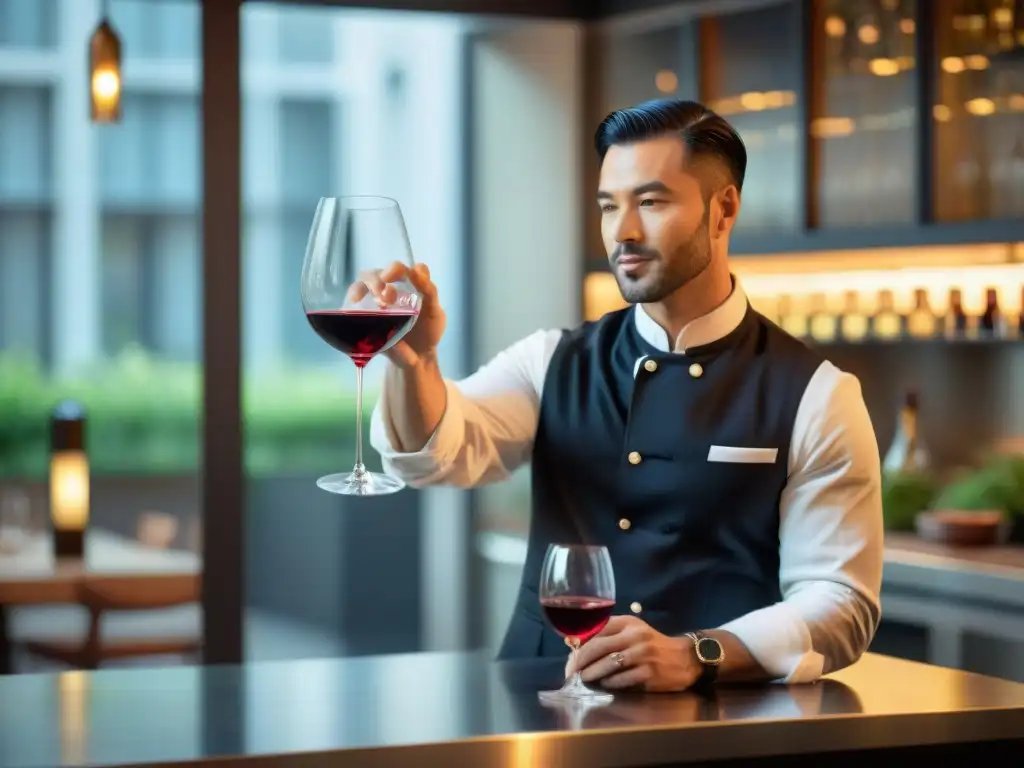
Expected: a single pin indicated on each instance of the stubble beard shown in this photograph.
(666, 276)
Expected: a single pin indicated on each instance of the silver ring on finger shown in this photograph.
(620, 659)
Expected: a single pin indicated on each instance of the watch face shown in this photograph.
(710, 650)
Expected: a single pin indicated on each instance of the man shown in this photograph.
(732, 472)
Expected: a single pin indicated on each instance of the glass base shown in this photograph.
(575, 690)
(360, 484)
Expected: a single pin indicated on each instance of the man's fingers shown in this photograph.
(396, 271)
(616, 624)
(357, 291)
(598, 648)
(380, 284)
(618, 634)
(629, 655)
(374, 282)
(419, 278)
(628, 678)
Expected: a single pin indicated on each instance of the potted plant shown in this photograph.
(997, 485)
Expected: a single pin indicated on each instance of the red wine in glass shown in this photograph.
(361, 333)
(351, 239)
(577, 595)
(577, 618)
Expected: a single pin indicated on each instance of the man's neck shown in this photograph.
(697, 298)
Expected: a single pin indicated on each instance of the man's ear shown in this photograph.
(726, 207)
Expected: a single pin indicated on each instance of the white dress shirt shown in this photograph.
(830, 512)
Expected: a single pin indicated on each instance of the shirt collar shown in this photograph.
(716, 324)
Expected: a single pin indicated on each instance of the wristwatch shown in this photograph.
(709, 653)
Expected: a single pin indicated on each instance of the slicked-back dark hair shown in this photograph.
(705, 133)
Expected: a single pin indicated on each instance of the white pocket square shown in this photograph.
(735, 455)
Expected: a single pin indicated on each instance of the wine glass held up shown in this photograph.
(577, 594)
(359, 293)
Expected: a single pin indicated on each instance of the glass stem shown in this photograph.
(359, 470)
(576, 681)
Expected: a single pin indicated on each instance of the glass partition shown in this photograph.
(337, 102)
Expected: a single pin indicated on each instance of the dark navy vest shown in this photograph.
(694, 543)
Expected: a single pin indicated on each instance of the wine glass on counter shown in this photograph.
(350, 237)
(577, 595)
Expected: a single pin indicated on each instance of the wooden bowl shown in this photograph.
(960, 528)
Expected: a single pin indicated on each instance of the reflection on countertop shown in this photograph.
(462, 707)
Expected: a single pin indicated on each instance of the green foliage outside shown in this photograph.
(144, 421)
(144, 418)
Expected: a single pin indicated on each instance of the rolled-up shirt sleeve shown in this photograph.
(489, 422)
(830, 540)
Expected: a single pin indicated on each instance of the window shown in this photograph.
(99, 254)
(28, 23)
(26, 185)
(305, 37)
(26, 157)
(24, 257)
(157, 31)
(151, 159)
(310, 138)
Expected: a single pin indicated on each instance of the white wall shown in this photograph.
(527, 181)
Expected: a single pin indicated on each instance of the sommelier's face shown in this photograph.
(656, 226)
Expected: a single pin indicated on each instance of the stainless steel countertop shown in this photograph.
(462, 708)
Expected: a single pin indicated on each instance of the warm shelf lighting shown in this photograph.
(884, 67)
(105, 73)
(972, 268)
(980, 107)
(835, 26)
(912, 257)
(868, 34)
(1003, 18)
(666, 81)
(953, 65)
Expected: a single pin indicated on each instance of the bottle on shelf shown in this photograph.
(957, 323)
(922, 322)
(991, 324)
(907, 452)
(854, 324)
(792, 320)
(887, 323)
(822, 322)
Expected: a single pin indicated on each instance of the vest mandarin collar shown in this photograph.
(707, 329)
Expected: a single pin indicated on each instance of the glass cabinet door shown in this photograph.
(979, 110)
(863, 115)
(751, 76)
